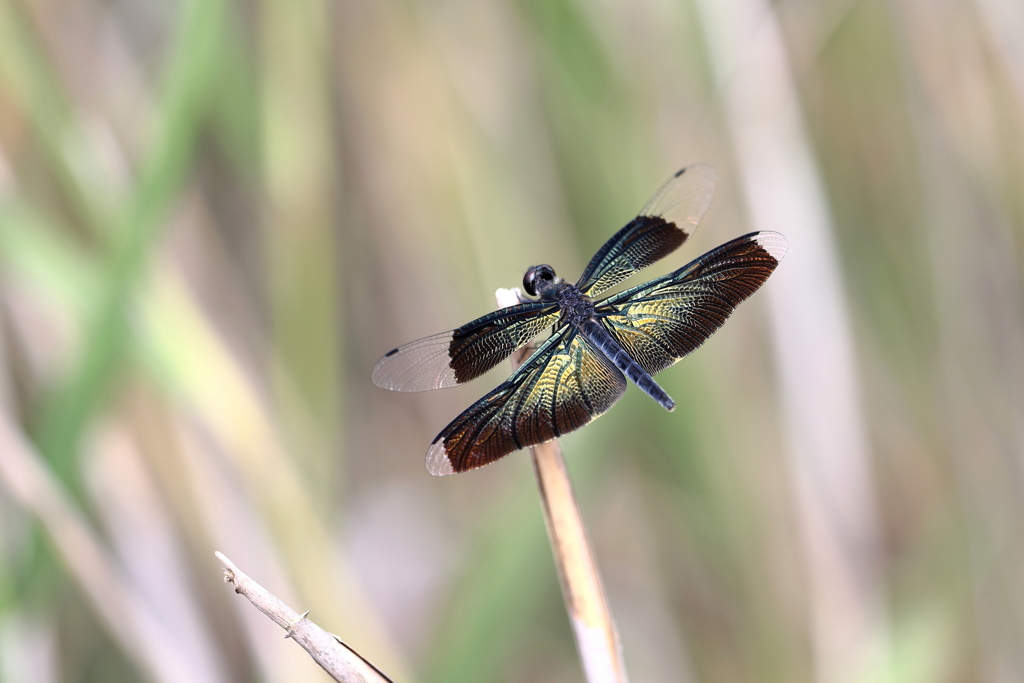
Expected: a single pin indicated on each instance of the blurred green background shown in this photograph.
(215, 216)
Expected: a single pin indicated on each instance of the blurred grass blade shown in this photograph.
(138, 631)
(301, 196)
(187, 355)
(827, 442)
(188, 86)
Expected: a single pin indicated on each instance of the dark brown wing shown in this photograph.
(665, 319)
(665, 223)
(564, 385)
(451, 358)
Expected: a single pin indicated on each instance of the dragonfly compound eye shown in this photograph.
(528, 282)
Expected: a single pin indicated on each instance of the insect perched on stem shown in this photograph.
(580, 371)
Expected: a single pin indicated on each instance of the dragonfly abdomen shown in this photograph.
(606, 344)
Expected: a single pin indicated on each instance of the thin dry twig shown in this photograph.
(335, 657)
(597, 639)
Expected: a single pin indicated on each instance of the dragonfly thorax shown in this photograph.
(576, 306)
(541, 281)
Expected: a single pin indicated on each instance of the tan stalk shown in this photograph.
(597, 639)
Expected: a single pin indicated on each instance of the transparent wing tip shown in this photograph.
(421, 365)
(705, 171)
(379, 376)
(775, 243)
(438, 463)
(685, 197)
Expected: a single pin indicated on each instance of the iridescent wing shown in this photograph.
(665, 319)
(451, 358)
(564, 385)
(665, 223)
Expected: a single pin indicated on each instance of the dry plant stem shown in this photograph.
(335, 657)
(596, 636)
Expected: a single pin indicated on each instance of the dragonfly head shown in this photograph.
(538, 279)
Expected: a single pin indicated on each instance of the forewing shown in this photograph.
(665, 223)
(457, 356)
(564, 385)
(663, 320)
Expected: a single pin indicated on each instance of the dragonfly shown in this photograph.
(596, 344)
